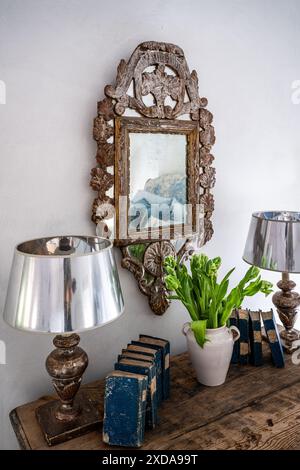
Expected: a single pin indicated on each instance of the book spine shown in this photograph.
(256, 357)
(233, 321)
(165, 363)
(166, 372)
(124, 411)
(244, 338)
(150, 372)
(153, 405)
(273, 339)
(158, 364)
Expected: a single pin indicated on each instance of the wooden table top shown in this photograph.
(256, 408)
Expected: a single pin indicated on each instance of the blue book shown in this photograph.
(243, 316)
(140, 348)
(255, 337)
(164, 345)
(234, 321)
(148, 369)
(273, 338)
(124, 409)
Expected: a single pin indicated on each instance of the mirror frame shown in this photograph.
(110, 134)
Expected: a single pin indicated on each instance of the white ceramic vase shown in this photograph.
(211, 363)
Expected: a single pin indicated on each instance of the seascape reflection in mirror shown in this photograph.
(158, 189)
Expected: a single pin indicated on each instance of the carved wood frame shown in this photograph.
(182, 87)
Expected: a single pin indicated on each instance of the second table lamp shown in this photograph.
(273, 243)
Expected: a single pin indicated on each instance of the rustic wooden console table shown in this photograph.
(257, 408)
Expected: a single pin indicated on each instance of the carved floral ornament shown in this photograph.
(158, 70)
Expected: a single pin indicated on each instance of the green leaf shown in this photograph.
(233, 299)
(226, 277)
(252, 288)
(199, 329)
(252, 273)
(172, 282)
(266, 287)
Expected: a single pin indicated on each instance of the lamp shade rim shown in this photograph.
(66, 332)
(21, 251)
(269, 269)
(262, 216)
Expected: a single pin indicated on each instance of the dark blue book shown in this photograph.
(124, 409)
(273, 338)
(164, 345)
(255, 338)
(148, 369)
(234, 321)
(140, 348)
(243, 317)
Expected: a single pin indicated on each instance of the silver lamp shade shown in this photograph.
(274, 241)
(63, 284)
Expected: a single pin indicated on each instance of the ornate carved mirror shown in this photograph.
(153, 175)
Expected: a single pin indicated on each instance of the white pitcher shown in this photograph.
(211, 363)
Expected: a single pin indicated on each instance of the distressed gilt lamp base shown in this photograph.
(286, 301)
(68, 417)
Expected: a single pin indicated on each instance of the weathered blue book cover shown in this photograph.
(148, 369)
(273, 338)
(243, 317)
(124, 409)
(165, 348)
(234, 321)
(140, 348)
(256, 356)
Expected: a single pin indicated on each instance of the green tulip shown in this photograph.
(208, 302)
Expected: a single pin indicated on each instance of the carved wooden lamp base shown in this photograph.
(286, 301)
(68, 417)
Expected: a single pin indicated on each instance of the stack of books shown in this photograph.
(135, 390)
(248, 349)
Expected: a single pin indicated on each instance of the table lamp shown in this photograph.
(64, 285)
(273, 243)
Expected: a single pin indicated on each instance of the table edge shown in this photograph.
(18, 430)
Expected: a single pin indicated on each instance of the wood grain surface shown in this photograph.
(256, 408)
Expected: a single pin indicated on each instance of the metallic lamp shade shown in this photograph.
(274, 241)
(63, 284)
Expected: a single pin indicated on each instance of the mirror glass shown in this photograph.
(158, 186)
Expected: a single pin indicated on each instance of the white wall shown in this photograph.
(55, 58)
